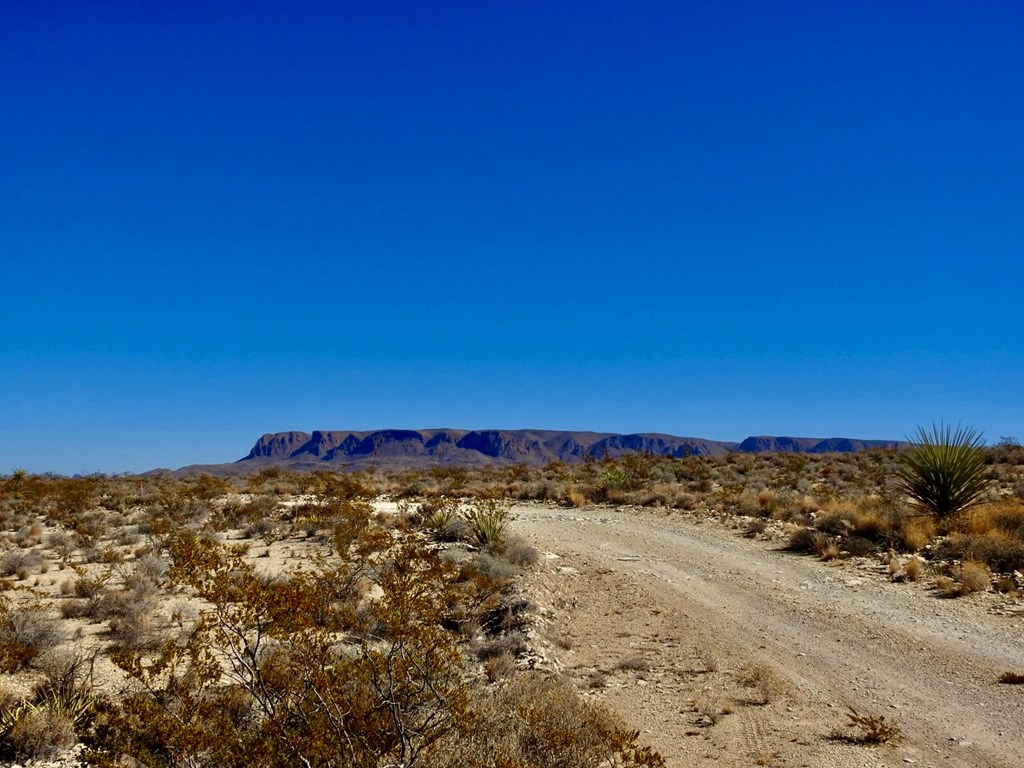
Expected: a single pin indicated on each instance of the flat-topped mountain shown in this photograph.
(409, 448)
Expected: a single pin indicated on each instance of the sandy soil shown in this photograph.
(658, 615)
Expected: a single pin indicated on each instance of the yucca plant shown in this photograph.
(488, 519)
(944, 471)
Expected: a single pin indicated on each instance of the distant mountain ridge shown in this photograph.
(409, 448)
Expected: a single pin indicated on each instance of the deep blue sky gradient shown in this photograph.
(717, 219)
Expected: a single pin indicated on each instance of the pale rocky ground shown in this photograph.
(696, 602)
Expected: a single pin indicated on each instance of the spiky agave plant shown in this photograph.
(944, 471)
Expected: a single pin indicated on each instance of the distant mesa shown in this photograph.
(396, 449)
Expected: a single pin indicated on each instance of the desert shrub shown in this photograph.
(837, 518)
(659, 495)
(872, 525)
(263, 672)
(39, 733)
(916, 533)
(509, 615)
(1002, 551)
(25, 633)
(765, 682)
(912, 569)
(634, 664)
(1011, 678)
(500, 667)
(945, 472)
(858, 546)
(20, 563)
(755, 527)
(91, 587)
(803, 539)
(496, 568)
(149, 570)
(518, 552)
(542, 723)
(868, 729)
(343, 485)
(808, 540)
(575, 496)
(975, 577)
(260, 507)
(351, 519)
(708, 707)
(58, 707)
(947, 587)
(135, 629)
(511, 644)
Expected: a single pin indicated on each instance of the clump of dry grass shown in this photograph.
(913, 568)
(811, 541)
(634, 664)
(917, 533)
(500, 667)
(975, 577)
(763, 680)
(574, 497)
(708, 708)
(992, 534)
(1011, 678)
(970, 577)
(869, 729)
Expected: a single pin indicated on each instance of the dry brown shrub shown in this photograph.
(500, 667)
(755, 527)
(828, 550)
(947, 587)
(575, 497)
(763, 679)
(870, 524)
(767, 502)
(519, 552)
(615, 496)
(870, 729)
(894, 567)
(837, 517)
(975, 577)
(1008, 516)
(25, 633)
(634, 664)
(804, 539)
(913, 568)
(917, 533)
(708, 707)
(858, 546)
(543, 723)
(1006, 585)
(41, 733)
(1000, 549)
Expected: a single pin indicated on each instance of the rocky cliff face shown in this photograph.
(405, 447)
(279, 446)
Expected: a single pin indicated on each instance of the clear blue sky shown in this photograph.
(711, 219)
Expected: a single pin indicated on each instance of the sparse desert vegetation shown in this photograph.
(385, 616)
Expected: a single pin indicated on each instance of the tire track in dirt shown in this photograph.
(839, 636)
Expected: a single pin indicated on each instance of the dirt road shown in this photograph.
(662, 616)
